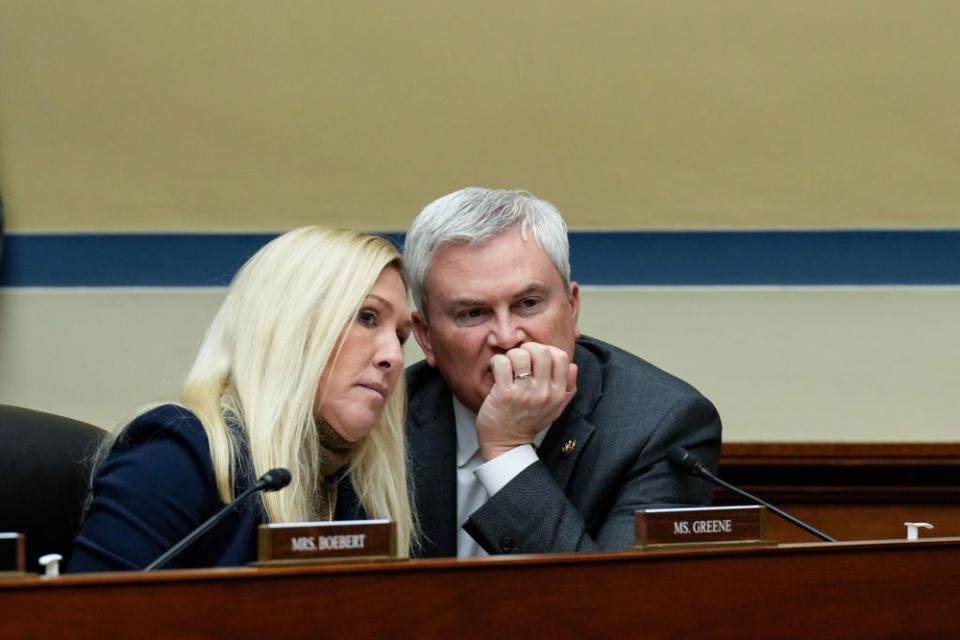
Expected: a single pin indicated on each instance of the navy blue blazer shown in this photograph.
(155, 487)
(603, 458)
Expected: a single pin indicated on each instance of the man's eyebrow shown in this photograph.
(466, 302)
(531, 289)
(535, 288)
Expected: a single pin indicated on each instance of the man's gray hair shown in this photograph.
(474, 215)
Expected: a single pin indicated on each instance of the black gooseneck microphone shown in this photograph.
(272, 480)
(689, 463)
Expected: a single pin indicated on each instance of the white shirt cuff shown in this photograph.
(495, 474)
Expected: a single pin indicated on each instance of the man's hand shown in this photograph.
(532, 386)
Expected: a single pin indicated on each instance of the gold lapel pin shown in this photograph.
(568, 448)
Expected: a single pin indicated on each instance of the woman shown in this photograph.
(302, 368)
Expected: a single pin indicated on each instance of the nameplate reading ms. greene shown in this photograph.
(308, 541)
(701, 525)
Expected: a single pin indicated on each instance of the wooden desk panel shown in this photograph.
(846, 590)
(851, 491)
(859, 521)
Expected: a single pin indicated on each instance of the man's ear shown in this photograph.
(421, 331)
(575, 307)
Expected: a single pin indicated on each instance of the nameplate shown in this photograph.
(314, 541)
(13, 554)
(701, 525)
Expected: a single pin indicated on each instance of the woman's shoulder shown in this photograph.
(164, 421)
(167, 441)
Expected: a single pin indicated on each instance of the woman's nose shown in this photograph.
(390, 354)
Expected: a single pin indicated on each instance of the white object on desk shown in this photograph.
(913, 528)
(50, 564)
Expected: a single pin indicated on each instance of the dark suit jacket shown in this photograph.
(157, 486)
(602, 459)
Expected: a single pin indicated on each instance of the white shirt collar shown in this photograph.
(467, 444)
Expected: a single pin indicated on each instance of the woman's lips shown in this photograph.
(373, 386)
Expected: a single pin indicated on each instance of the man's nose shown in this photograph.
(505, 334)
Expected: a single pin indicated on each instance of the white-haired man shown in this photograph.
(524, 436)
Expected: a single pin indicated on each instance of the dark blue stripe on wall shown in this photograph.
(854, 257)
(121, 260)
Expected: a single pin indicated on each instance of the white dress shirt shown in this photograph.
(478, 480)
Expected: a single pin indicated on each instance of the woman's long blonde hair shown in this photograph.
(262, 359)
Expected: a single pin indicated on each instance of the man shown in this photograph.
(524, 436)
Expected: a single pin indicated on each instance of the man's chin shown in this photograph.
(473, 401)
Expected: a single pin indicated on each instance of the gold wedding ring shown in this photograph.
(523, 376)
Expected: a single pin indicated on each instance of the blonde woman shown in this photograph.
(301, 368)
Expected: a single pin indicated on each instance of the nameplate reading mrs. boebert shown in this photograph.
(308, 541)
(701, 525)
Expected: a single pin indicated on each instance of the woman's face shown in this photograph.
(353, 394)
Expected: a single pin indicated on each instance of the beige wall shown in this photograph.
(877, 364)
(241, 114)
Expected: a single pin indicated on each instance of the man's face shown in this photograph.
(487, 298)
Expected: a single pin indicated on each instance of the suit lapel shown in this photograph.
(432, 440)
(561, 449)
(570, 433)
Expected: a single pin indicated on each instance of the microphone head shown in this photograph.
(684, 460)
(275, 479)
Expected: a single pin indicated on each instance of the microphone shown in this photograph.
(272, 480)
(689, 463)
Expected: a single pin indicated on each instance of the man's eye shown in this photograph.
(402, 337)
(471, 317)
(529, 304)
